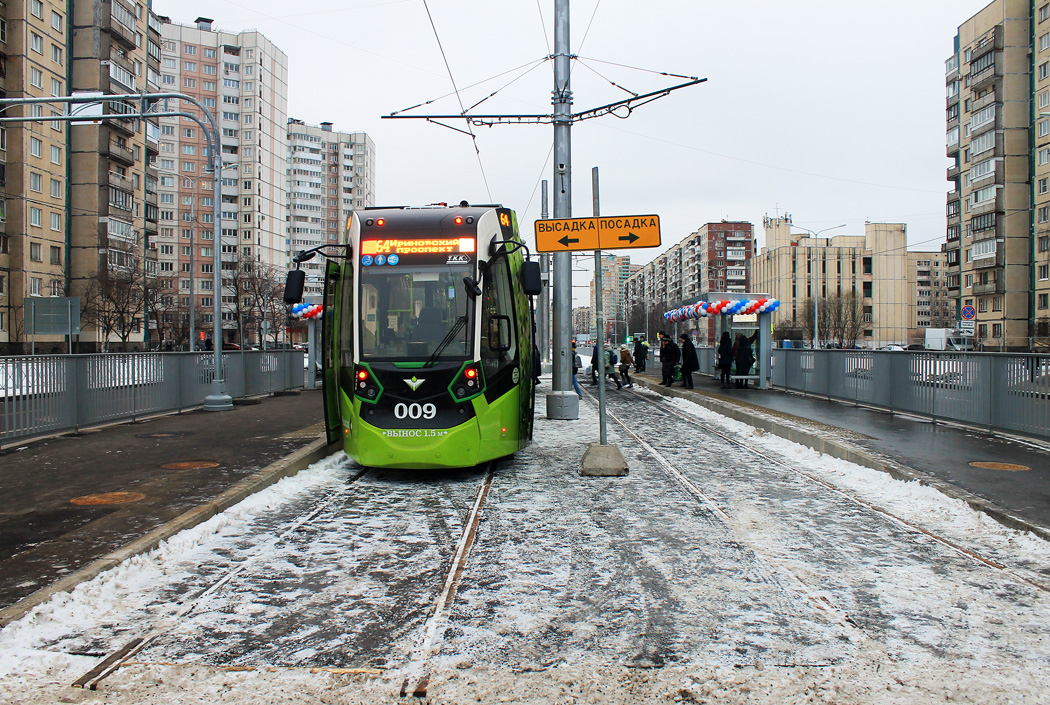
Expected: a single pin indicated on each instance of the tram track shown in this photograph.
(123, 655)
(419, 668)
(910, 526)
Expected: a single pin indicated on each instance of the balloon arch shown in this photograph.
(730, 307)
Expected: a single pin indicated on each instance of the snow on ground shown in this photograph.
(578, 590)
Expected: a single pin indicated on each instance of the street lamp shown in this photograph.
(816, 337)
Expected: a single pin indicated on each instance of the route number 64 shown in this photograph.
(415, 411)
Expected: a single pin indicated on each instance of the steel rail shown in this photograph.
(424, 650)
(910, 525)
(122, 656)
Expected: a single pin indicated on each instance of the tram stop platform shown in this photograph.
(1006, 477)
(76, 505)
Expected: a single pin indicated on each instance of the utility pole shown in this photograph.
(562, 402)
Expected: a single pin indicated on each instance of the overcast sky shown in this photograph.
(830, 110)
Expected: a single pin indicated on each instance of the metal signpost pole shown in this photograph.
(599, 327)
(563, 402)
(545, 293)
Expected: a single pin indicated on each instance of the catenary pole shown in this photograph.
(563, 402)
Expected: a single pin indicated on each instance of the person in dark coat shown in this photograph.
(594, 365)
(641, 351)
(745, 357)
(690, 363)
(669, 357)
(725, 359)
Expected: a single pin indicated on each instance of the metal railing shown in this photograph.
(1000, 391)
(46, 394)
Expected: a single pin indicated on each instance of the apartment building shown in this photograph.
(998, 205)
(241, 78)
(34, 246)
(929, 303)
(615, 273)
(330, 174)
(582, 320)
(797, 268)
(715, 257)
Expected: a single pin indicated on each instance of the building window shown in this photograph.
(1044, 70)
(1044, 272)
(189, 49)
(189, 83)
(56, 223)
(1044, 301)
(34, 252)
(56, 188)
(36, 216)
(36, 182)
(36, 77)
(997, 303)
(34, 286)
(36, 42)
(56, 21)
(1044, 13)
(56, 54)
(56, 254)
(189, 65)
(1044, 243)
(997, 330)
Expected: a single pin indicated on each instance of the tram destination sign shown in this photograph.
(613, 232)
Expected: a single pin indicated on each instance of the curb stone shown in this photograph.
(851, 453)
(279, 469)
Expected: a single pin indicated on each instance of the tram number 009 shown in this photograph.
(415, 411)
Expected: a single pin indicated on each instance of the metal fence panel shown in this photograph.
(1009, 392)
(41, 395)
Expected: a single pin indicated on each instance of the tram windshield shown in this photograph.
(416, 315)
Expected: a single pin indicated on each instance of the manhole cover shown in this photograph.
(107, 498)
(989, 465)
(163, 434)
(191, 465)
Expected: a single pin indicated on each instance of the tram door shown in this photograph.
(331, 338)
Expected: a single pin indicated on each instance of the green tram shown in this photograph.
(428, 357)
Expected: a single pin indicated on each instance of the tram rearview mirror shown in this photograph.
(294, 285)
(472, 287)
(530, 278)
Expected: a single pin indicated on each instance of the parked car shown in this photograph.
(891, 347)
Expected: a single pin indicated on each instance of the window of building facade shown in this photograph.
(36, 216)
(56, 223)
(35, 252)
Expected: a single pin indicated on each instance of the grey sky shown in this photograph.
(832, 110)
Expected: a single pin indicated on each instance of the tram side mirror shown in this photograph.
(472, 287)
(294, 285)
(499, 333)
(530, 278)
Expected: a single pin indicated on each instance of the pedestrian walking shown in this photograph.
(690, 363)
(725, 359)
(610, 366)
(625, 366)
(577, 363)
(594, 366)
(641, 352)
(669, 357)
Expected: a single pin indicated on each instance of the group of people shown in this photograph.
(729, 352)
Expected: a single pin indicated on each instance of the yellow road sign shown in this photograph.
(619, 232)
(615, 232)
(566, 234)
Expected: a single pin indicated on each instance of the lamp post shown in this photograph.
(815, 262)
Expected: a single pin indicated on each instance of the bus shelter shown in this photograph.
(750, 315)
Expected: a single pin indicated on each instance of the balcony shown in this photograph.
(989, 288)
(115, 29)
(996, 260)
(119, 153)
(121, 182)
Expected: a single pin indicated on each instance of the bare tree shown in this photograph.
(116, 301)
(852, 308)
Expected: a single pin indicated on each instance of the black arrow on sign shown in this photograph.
(629, 237)
(566, 240)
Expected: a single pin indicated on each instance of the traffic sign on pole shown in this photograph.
(618, 232)
(968, 313)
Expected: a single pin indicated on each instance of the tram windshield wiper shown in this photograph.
(449, 337)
